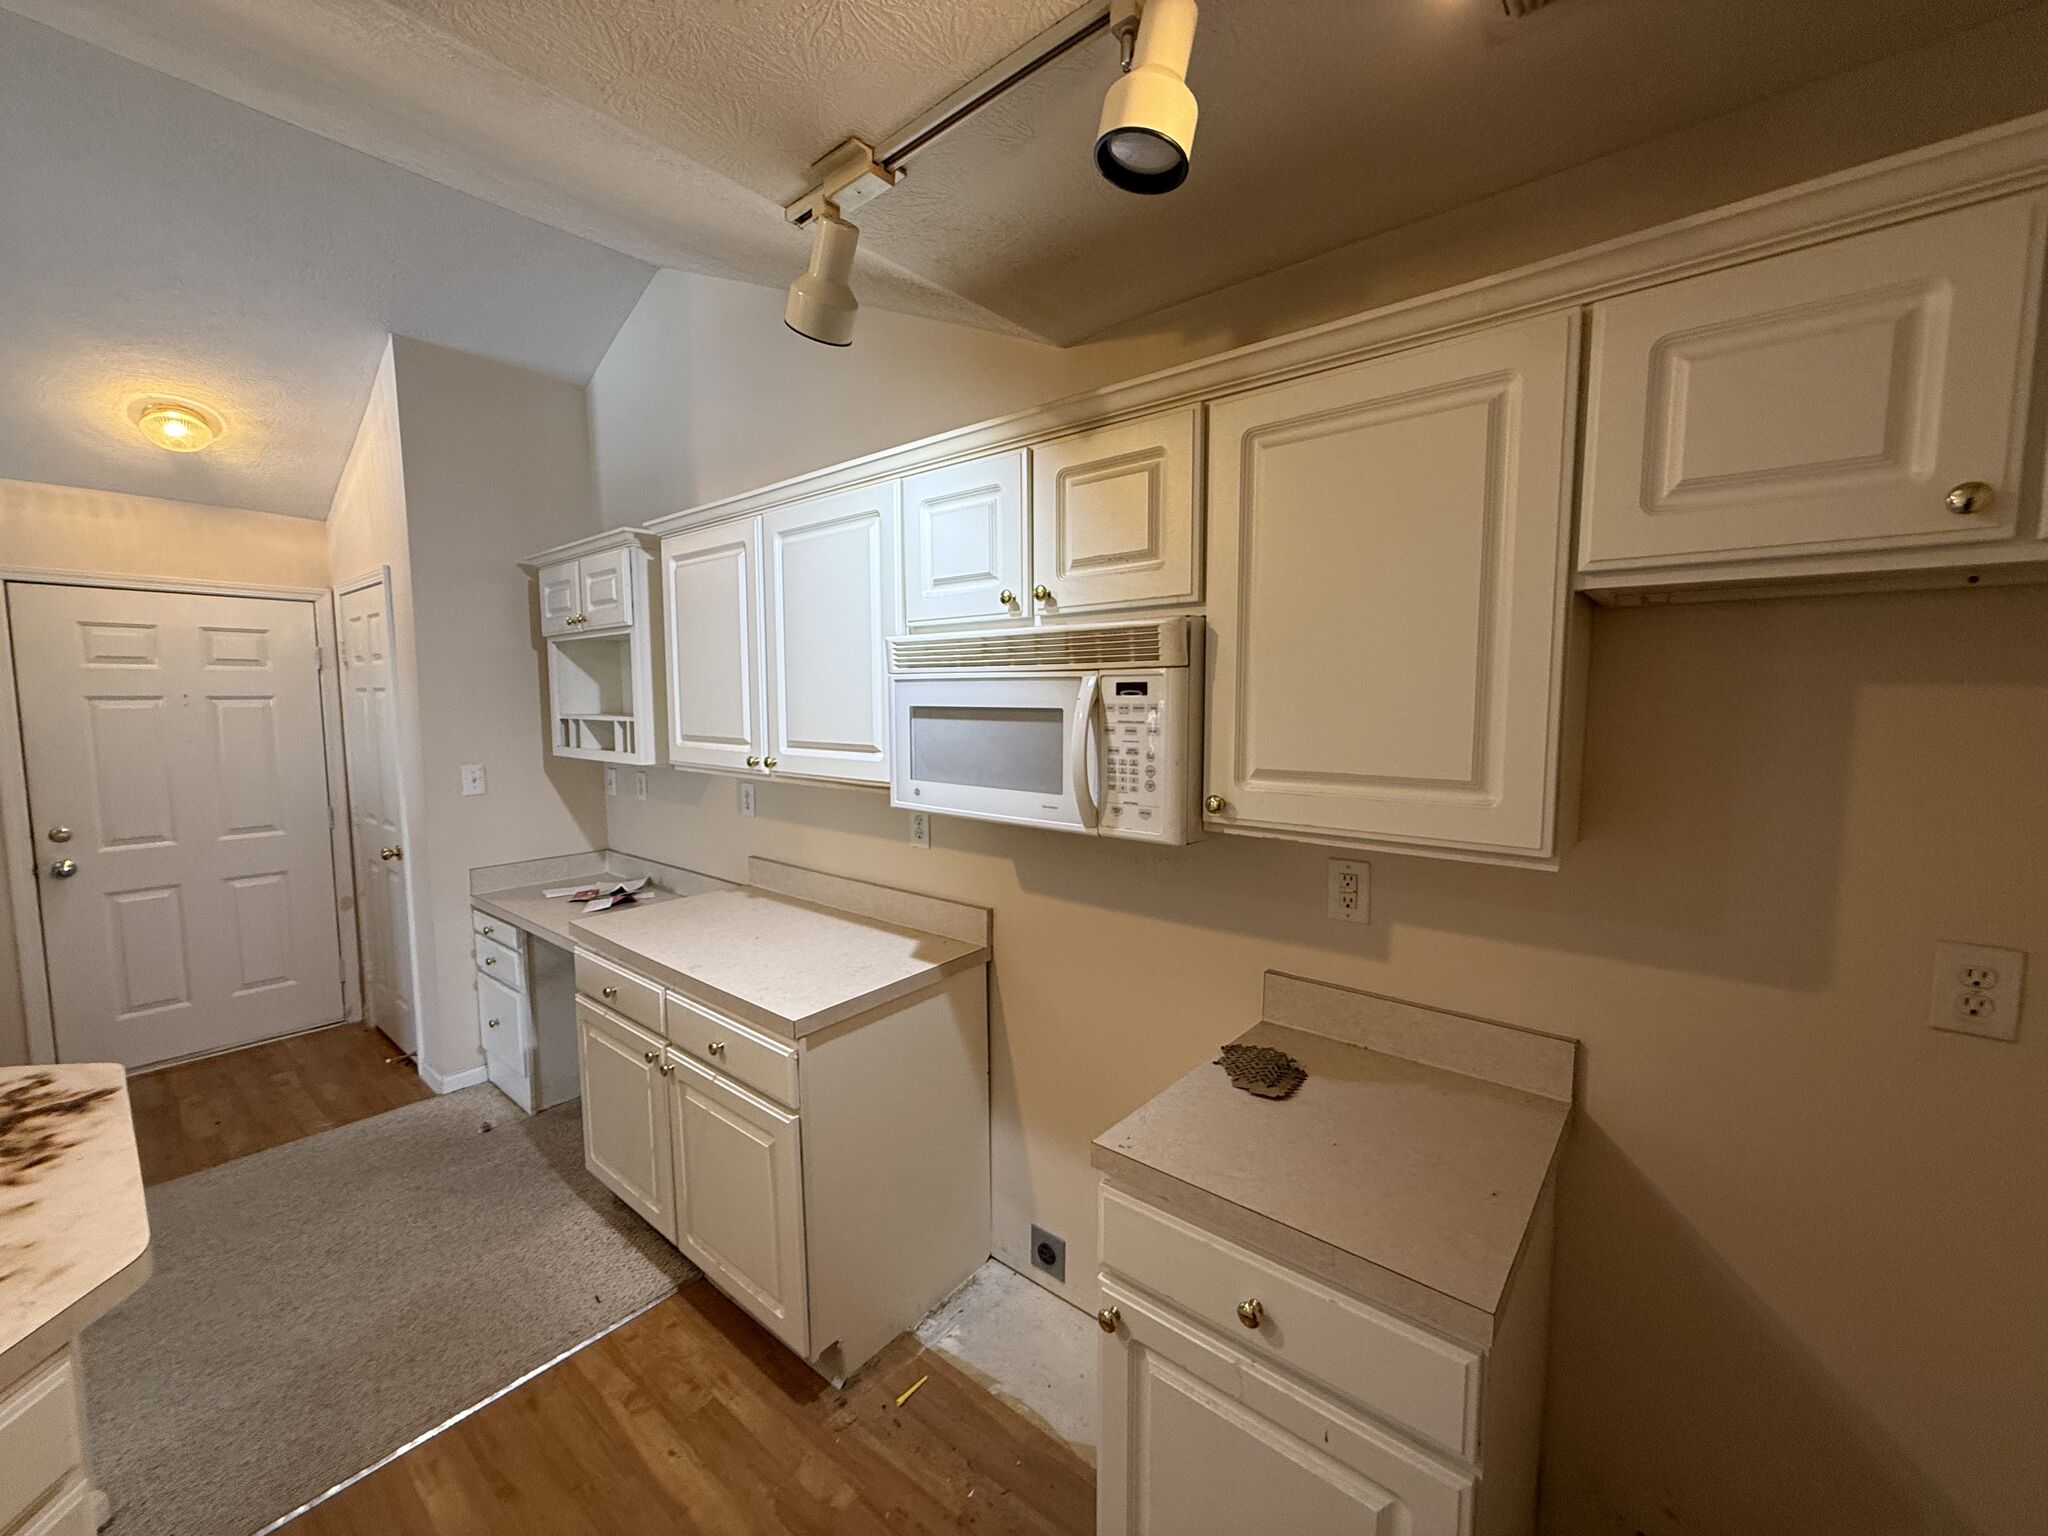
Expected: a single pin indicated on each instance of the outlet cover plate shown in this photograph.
(1977, 990)
(921, 829)
(1349, 897)
(1049, 1253)
(746, 798)
(472, 778)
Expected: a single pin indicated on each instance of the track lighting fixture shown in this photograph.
(821, 303)
(1147, 134)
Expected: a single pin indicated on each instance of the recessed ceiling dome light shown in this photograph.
(183, 426)
(821, 303)
(1147, 134)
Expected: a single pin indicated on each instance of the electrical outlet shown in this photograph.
(1048, 1253)
(746, 798)
(1977, 990)
(472, 778)
(921, 829)
(611, 781)
(1350, 891)
(640, 784)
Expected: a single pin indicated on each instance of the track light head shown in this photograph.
(821, 304)
(1147, 134)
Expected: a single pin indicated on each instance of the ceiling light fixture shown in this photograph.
(1147, 134)
(821, 302)
(183, 426)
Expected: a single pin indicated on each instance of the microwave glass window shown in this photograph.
(1018, 749)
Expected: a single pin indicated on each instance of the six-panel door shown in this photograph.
(1820, 402)
(739, 1197)
(1388, 596)
(1115, 515)
(829, 596)
(712, 605)
(964, 555)
(626, 1114)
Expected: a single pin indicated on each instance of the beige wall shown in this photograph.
(497, 466)
(60, 528)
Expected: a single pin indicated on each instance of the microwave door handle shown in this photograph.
(1078, 749)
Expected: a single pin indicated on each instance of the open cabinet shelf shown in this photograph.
(602, 689)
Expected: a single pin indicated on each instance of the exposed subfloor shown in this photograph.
(1025, 1345)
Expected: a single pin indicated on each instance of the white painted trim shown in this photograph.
(1998, 161)
(592, 544)
(17, 831)
(410, 792)
(455, 1081)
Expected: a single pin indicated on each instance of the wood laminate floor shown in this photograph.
(201, 1113)
(691, 1419)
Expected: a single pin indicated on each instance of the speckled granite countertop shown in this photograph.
(1411, 1182)
(74, 1232)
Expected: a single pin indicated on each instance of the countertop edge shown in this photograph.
(48, 1336)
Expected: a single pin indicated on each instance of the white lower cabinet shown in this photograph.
(1389, 599)
(626, 1114)
(739, 1196)
(523, 992)
(835, 1187)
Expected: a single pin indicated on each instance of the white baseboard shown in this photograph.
(454, 1080)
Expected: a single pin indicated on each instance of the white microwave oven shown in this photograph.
(1091, 728)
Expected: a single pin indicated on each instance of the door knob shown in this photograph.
(1213, 805)
(60, 834)
(388, 854)
(1108, 1318)
(1042, 592)
(64, 869)
(1971, 496)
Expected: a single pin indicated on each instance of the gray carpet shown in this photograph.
(317, 1306)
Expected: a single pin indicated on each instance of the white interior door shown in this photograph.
(376, 821)
(177, 779)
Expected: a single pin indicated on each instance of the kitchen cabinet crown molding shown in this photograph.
(1993, 162)
(593, 544)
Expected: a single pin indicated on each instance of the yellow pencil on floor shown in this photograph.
(910, 1389)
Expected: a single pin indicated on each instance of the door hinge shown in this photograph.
(319, 658)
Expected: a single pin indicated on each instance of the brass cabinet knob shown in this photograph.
(653, 1057)
(388, 854)
(1213, 805)
(753, 762)
(1969, 497)
(490, 959)
(1108, 1318)
(492, 1022)
(668, 1069)
(1007, 598)
(716, 1047)
(64, 869)
(611, 992)
(1042, 592)
(60, 834)
(767, 762)
(1251, 1313)
(489, 930)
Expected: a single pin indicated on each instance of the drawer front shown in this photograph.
(1386, 1366)
(621, 991)
(68, 1514)
(493, 927)
(758, 1061)
(501, 1022)
(502, 961)
(39, 1438)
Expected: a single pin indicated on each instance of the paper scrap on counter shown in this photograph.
(601, 890)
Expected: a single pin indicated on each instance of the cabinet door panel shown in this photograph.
(963, 543)
(739, 1200)
(561, 592)
(1389, 596)
(1113, 515)
(1197, 1440)
(1817, 402)
(711, 590)
(606, 582)
(829, 593)
(626, 1116)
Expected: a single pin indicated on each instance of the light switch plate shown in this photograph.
(1977, 990)
(472, 778)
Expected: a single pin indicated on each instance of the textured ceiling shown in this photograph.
(154, 237)
(674, 129)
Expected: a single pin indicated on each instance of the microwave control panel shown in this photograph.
(1143, 763)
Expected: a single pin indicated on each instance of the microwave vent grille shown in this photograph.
(1082, 648)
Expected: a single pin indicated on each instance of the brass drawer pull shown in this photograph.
(1108, 1318)
(610, 993)
(1251, 1313)
(716, 1047)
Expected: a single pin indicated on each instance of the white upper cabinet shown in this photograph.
(828, 568)
(964, 555)
(1823, 403)
(1388, 597)
(605, 580)
(561, 594)
(711, 586)
(1113, 516)
(598, 614)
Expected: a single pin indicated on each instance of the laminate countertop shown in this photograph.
(550, 918)
(791, 966)
(1403, 1181)
(74, 1231)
